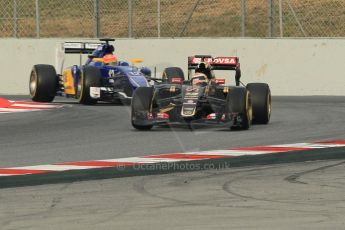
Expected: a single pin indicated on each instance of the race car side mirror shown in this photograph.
(146, 71)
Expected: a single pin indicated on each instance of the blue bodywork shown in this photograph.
(117, 81)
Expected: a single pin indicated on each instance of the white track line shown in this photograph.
(36, 106)
(55, 167)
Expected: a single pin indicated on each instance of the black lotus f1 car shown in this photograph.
(202, 98)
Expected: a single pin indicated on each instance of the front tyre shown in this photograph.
(89, 77)
(262, 102)
(141, 107)
(43, 83)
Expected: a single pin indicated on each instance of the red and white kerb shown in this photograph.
(167, 158)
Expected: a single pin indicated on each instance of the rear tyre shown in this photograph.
(43, 83)
(261, 102)
(239, 101)
(141, 104)
(172, 72)
(89, 77)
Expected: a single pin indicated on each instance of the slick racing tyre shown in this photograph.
(172, 73)
(261, 102)
(141, 104)
(43, 83)
(239, 101)
(89, 77)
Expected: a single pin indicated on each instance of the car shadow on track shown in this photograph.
(96, 105)
(185, 128)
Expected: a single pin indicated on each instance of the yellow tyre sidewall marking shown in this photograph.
(249, 109)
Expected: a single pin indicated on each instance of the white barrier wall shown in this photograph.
(289, 66)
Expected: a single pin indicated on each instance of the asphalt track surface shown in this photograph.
(307, 195)
(78, 133)
(288, 196)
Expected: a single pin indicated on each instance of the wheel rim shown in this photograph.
(33, 83)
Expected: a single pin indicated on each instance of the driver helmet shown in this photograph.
(199, 79)
(110, 59)
(204, 68)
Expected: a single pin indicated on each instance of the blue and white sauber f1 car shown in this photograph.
(202, 98)
(101, 78)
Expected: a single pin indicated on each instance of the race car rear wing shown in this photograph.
(73, 48)
(80, 47)
(217, 63)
